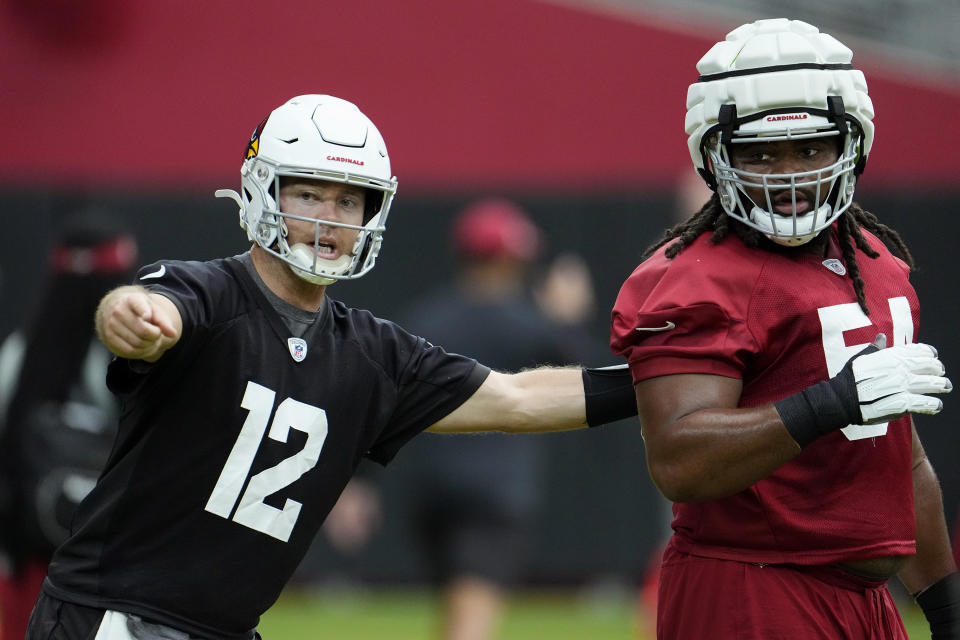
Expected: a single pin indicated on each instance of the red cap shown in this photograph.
(112, 256)
(495, 227)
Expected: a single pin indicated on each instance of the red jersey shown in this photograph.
(781, 320)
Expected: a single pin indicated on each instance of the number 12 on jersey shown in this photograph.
(251, 511)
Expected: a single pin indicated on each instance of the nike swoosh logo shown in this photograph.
(665, 327)
(156, 274)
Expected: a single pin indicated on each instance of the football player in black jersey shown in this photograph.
(249, 397)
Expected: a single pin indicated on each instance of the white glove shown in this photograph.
(892, 382)
(876, 385)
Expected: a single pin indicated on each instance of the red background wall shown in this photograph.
(473, 93)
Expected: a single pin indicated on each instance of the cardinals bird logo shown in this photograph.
(253, 147)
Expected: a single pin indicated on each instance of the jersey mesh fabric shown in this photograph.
(147, 540)
(780, 320)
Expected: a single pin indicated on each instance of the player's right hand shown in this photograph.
(897, 380)
(138, 325)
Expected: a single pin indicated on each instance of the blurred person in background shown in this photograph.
(58, 416)
(249, 397)
(474, 499)
(755, 331)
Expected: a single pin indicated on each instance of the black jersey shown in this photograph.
(235, 445)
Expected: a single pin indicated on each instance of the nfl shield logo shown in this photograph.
(298, 348)
(836, 266)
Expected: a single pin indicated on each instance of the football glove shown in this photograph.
(891, 382)
(876, 385)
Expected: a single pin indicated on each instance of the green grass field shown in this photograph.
(411, 615)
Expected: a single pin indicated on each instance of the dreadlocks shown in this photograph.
(712, 217)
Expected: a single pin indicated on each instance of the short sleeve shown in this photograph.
(196, 289)
(434, 384)
(700, 338)
(671, 319)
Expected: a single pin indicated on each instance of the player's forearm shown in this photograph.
(934, 558)
(715, 453)
(704, 447)
(546, 399)
(553, 399)
(931, 575)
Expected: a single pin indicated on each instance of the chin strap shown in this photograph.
(772, 230)
(300, 259)
(312, 278)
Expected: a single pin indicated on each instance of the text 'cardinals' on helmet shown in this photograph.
(775, 80)
(317, 137)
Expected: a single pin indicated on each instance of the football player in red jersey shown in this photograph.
(752, 331)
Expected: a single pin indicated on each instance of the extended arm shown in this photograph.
(136, 324)
(544, 399)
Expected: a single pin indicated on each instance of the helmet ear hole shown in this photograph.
(364, 251)
(373, 202)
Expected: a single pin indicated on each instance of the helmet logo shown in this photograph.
(359, 163)
(788, 116)
(253, 147)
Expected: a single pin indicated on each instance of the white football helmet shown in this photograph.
(777, 80)
(323, 138)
